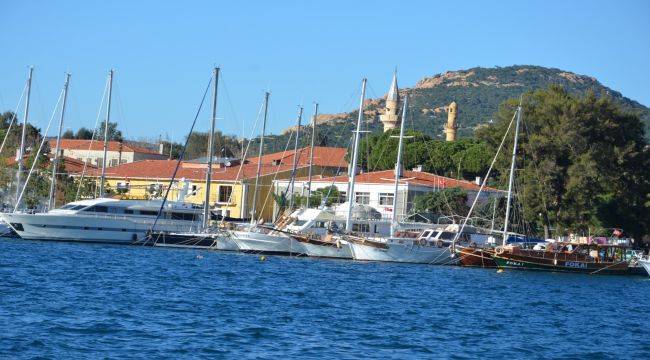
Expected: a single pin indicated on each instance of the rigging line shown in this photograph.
(181, 155)
(37, 154)
(92, 140)
(338, 170)
(478, 194)
(277, 169)
(234, 114)
(243, 160)
(13, 118)
(536, 163)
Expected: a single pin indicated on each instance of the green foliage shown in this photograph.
(224, 145)
(449, 201)
(584, 162)
(470, 157)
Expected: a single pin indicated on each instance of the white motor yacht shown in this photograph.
(104, 220)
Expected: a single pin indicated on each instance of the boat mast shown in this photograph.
(311, 151)
(208, 176)
(21, 152)
(55, 163)
(512, 175)
(108, 118)
(259, 157)
(398, 167)
(353, 170)
(292, 184)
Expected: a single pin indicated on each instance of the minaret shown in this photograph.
(389, 118)
(450, 126)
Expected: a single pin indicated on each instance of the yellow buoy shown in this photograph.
(499, 271)
(262, 258)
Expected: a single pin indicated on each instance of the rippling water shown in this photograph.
(68, 300)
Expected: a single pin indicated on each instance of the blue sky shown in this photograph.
(303, 51)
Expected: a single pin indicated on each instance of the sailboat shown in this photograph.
(206, 238)
(429, 247)
(102, 219)
(254, 237)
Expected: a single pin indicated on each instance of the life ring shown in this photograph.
(499, 250)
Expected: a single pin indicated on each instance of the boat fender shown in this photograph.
(499, 250)
(439, 243)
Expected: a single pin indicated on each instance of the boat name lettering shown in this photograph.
(514, 263)
(575, 264)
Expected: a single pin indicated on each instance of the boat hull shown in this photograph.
(518, 262)
(646, 265)
(101, 229)
(404, 253)
(476, 257)
(195, 241)
(328, 250)
(271, 243)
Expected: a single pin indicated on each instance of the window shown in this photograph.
(99, 162)
(319, 224)
(224, 194)
(147, 212)
(113, 162)
(193, 191)
(182, 216)
(362, 198)
(97, 208)
(386, 199)
(343, 196)
(361, 227)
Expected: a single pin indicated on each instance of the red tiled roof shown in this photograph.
(411, 177)
(323, 156)
(76, 166)
(76, 144)
(164, 169)
(72, 165)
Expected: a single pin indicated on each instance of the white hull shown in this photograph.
(342, 251)
(271, 243)
(405, 253)
(646, 264)
(88, 228)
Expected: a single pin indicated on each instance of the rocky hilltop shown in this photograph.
(478, 92)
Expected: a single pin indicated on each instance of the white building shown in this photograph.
(376, 189)
(93, 151)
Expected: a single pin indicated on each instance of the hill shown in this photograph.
(478, 93)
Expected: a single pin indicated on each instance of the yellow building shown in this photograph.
(232, 186)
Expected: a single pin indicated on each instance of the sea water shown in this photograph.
(67, 300)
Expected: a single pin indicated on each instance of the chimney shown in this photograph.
(161, 148)
(418, 168)
(478, 180)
